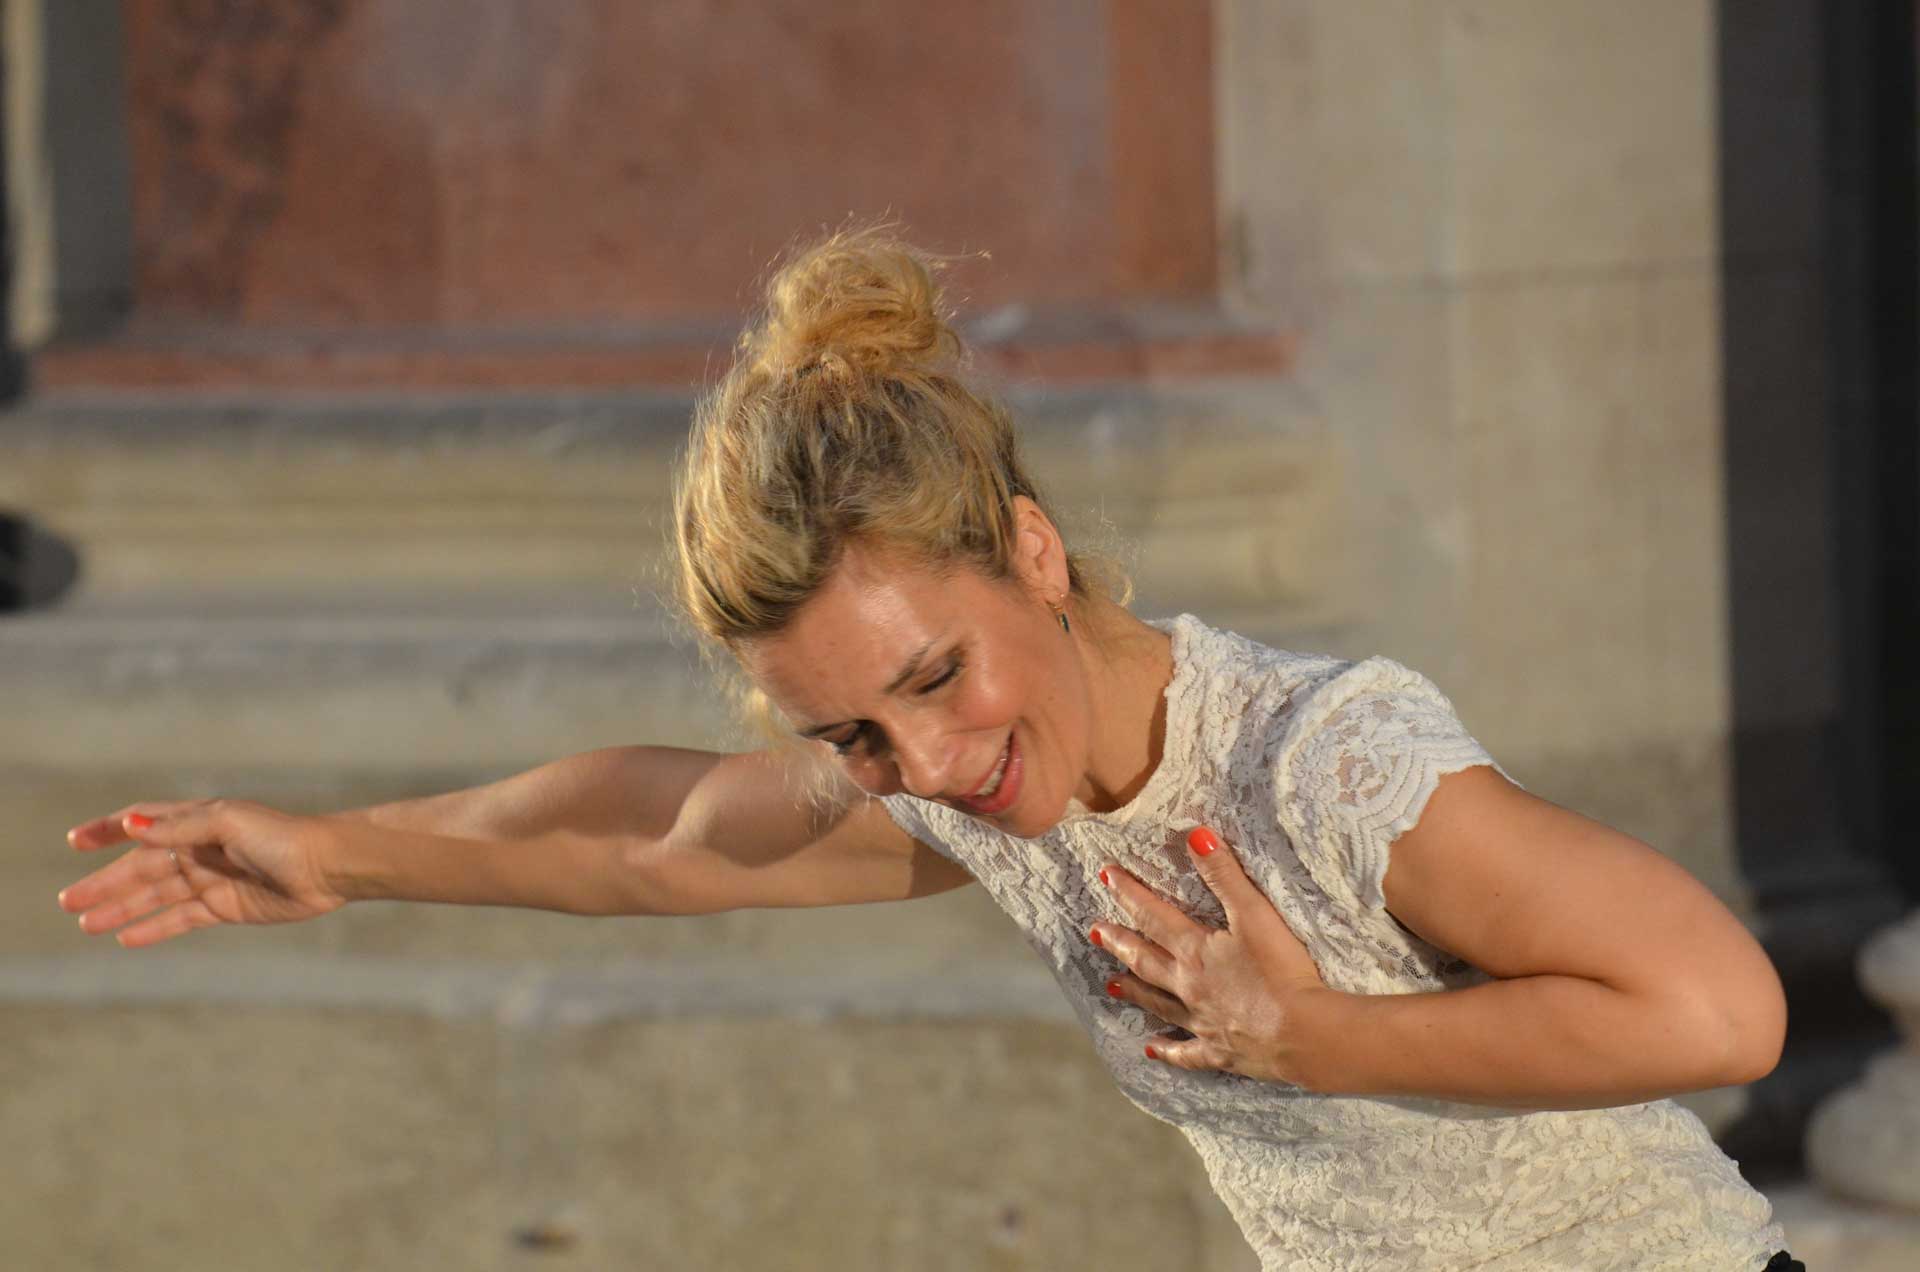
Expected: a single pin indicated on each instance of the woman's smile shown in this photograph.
(1002, 785)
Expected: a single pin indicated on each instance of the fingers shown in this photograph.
(121, 879)
(179, 829)
(1148, 961)
(1221, 871)
(136, 904)
(1160, 920)
(174, 921)
(1130, 988)
(104, 832)
(1183, 1051)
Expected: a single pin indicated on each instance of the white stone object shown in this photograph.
(1864, 1141)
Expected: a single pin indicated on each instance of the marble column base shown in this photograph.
(1864, 1142)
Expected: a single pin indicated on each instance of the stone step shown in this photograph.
(370, 584)
(1825, 1231)
(1225, 491)
(469, 686)
(229, 1138)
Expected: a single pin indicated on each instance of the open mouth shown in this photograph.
(1002, 786)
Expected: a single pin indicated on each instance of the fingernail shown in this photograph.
(139, 821)
(1105, 880)
(1113, 988)
(1093, 934)
(1202, 841)
(1151, 1053)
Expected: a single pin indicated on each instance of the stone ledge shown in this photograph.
(1121, 344)
(1830, 1234)
(228, 1139)
(713, 985)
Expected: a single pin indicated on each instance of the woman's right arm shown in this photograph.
(639, 830)
(624, 830)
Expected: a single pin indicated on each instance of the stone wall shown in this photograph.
(1494, 222)
(1491, 223)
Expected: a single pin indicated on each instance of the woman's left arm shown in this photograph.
(1620, 977)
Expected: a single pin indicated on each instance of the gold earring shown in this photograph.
(1060, 613)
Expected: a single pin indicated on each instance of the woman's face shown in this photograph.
(952, 687)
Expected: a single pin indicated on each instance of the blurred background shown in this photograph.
(1561, 349)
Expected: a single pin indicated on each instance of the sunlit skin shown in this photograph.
(1083, 708)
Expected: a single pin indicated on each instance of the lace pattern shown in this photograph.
(1310, 767)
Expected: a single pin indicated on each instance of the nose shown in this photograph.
(924, 756)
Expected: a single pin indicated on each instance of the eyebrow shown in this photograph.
(906, 673)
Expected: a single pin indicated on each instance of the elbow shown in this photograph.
(1742, 1032)
(657, 878)
(1759, 1036)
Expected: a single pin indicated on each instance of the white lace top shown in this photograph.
(1309, 767)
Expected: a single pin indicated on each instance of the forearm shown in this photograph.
(1534, 1042)
(572, 835)
(628, 790)
(560, 870)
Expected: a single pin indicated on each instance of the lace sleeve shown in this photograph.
(1356, 765)
(911, 815)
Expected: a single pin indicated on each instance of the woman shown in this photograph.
(1410, 1015)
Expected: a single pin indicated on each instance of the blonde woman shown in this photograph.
(1410, 1015)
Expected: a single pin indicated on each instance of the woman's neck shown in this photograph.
(1128, 667)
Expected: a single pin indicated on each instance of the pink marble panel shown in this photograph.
(592, 164)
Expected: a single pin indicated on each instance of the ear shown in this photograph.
(1039, 554)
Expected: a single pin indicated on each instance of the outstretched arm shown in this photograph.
(639, 830)
(627, 830)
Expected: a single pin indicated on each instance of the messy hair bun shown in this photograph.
(860, 304)
(847, 416)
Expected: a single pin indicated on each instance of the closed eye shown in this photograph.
(866, 731)
(844, 746)
(953, 670)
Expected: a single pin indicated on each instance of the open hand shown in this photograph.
(1232, 992)
(196, 864)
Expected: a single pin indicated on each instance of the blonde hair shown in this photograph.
(847, 417)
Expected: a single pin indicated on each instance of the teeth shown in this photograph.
(993, 783)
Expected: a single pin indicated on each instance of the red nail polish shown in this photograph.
(1105, 880)
(1202, 841)
(1113, 987)
(138, 821)
(1151, 1053)
(1093, 934)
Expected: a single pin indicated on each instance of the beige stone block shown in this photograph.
(955, 1146)
(562, 520)
(1670, 792)
(1595, 608)
(280, 517)
(242, 1139)
(145, 1139)
(1334, 157)
(1580, 135)
(1825, 1231)
(362, 695)
(1379, 370)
